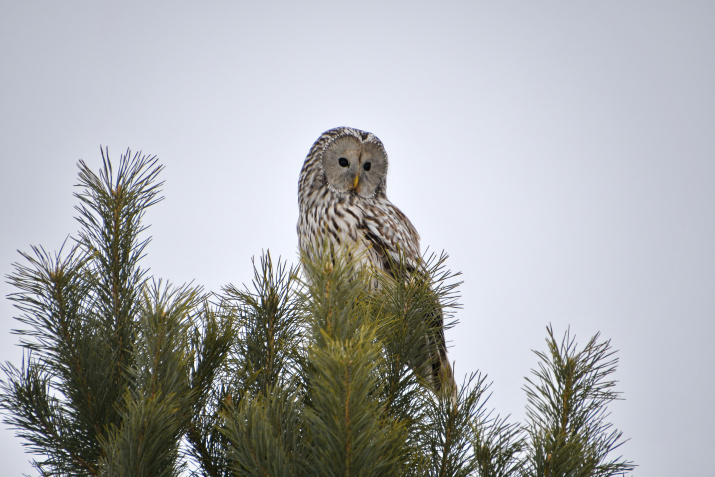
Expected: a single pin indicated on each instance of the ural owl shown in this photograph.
(341, 196)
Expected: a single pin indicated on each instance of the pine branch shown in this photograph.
(211, 344)
(40, 419)
(80, 313)
(349, 433)
(498, 447)
(448, 430)
(267, 435)
(333, 295)
(269, 327)
(567, 411)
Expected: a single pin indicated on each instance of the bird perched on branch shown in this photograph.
(342, 199)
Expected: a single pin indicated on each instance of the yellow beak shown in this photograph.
(355, 182)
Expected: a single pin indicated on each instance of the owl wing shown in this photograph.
(388, 232)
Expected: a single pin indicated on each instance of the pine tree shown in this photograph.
(300, 374)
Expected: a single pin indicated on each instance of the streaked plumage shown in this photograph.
(342, 198)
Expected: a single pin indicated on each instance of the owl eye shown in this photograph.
(367, 166)
(343, 162)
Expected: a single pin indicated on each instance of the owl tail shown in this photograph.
(435, 367)
(442, 378)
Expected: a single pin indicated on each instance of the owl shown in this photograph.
(342, 200)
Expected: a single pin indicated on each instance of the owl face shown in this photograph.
(354, 165)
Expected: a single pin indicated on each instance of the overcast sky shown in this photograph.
(562, 153)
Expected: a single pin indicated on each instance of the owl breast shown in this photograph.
(337, 222)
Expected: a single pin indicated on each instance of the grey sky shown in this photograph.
(562, 153)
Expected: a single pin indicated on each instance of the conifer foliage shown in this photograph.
(299, 374)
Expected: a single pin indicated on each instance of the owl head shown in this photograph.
(351, 162)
